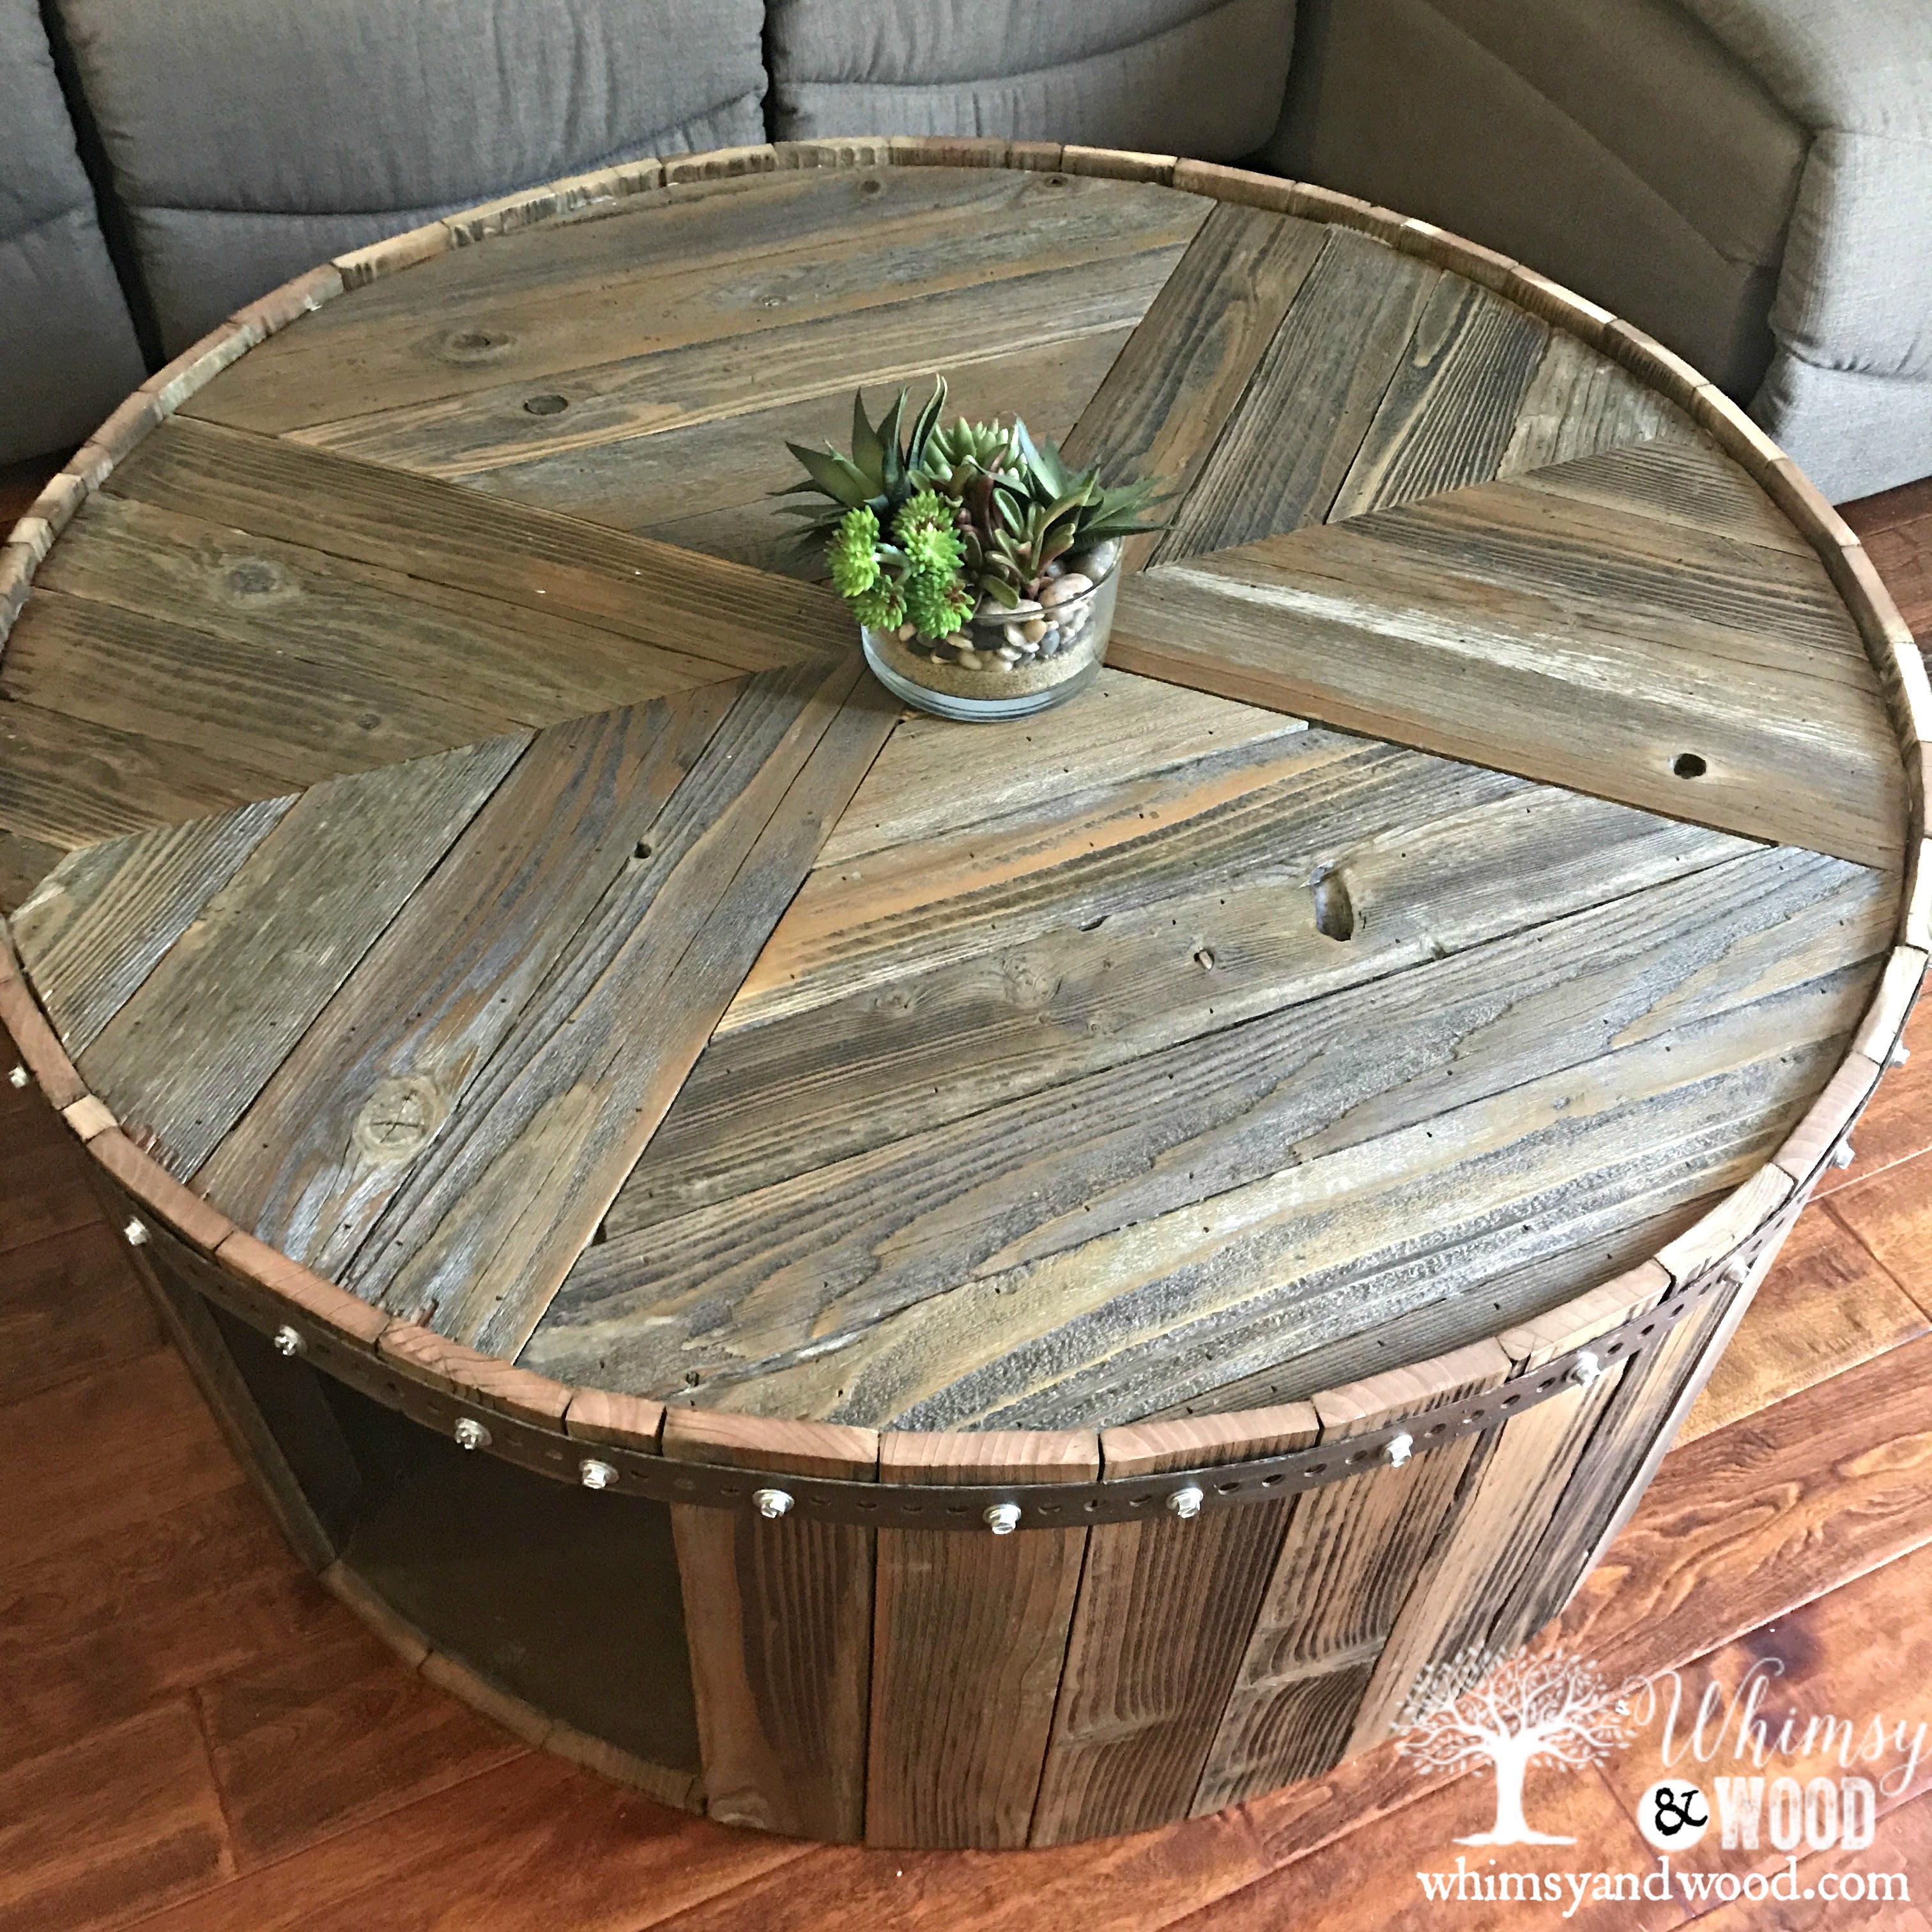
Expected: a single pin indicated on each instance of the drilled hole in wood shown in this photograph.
(871, 184)
(1334, 909)
(547, 406)
(1688, 765)
(643, 848)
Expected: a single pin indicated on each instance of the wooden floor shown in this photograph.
(193, 1735)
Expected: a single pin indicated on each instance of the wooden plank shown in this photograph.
(196, 1041)
(70, 1305)
(336, 1129)
(969, 1637)
(1165, 1606)
(65, 783)
(1826, 1306)
(298, 717)
(721, 471)
(1451, 411)
(1504, 624)
(912, 1016)
(536, 309)
(1049, 301)
(93, 930)
(359, 620)
(488, 1226)
(1185, 367)
(626, 585)
(1349, 1559)
(779, 1619)
(1581, 402)
(1047, 1260)
(1288, 446)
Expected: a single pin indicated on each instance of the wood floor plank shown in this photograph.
(1184, 368)
(536, 309)
(70, 1307)
(717, 475)
(1552, 639)
(44, 1189)
(1896, 1123)
(577, 572)
(1825, 1306)
(952, 1011)
(314, 1743)
(332, 1136)
(532, 1845)
(1100, 1288)
(224, 1006)
(441, 640)
(1294, 436)
(93, 929)
(191, 694)
(488, 1226)
(1892, 1214)
(1044, 301)
(126, 1821)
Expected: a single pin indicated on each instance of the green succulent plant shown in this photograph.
(919, 524)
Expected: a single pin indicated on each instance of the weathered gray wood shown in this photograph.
(1293, 437)
(1581, 402)
(508, 1194)
(1360, 1157)
(1509, 625)
(94, 929)
(561, 566)
(1084, 972)
(223, 1006)
(676, 267)
(1451, 408)
(1184, 368)
(336, 1132)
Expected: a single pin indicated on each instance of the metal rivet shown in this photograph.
(1399, 1448)
(1842, 1155)
(1738, 1273)
(470, 1434)
(1186, 1503)
(136, 1234)
(1003, 1519)
(1587, 1370)
(771, 1504)
(18, 1077)
(1899, 1053)
(286, 1341)
(596, 1475)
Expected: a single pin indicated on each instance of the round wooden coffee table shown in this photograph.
(900, 1281)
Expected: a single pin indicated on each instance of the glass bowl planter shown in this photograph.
(1008, 663)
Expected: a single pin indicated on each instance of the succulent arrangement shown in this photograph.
(972, 544)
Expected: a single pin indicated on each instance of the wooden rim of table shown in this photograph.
(412, 1368)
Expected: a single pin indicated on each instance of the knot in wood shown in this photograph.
(397, 1119)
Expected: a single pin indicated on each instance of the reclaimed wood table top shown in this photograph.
(446, 839)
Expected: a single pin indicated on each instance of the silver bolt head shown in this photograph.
(1187, 1503)
(137, 1233)
(287, 1341)
(1588, 1368)
(1003, 1519)
(470, 1434)
(1400, 1448)
(1899, 1053)
(1842, 1155)
(771, 1504)
(596, 1475)
(19, 1077)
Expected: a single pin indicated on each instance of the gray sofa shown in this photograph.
(1750, 180)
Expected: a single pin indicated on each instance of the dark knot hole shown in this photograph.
(1334, 909)
(1688, 765)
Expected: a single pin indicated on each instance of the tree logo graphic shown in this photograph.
(1552, 1707)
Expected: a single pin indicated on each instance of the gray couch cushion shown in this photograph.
(67, 345)
(1614, 144)
(1198, 77)
(293, 130)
